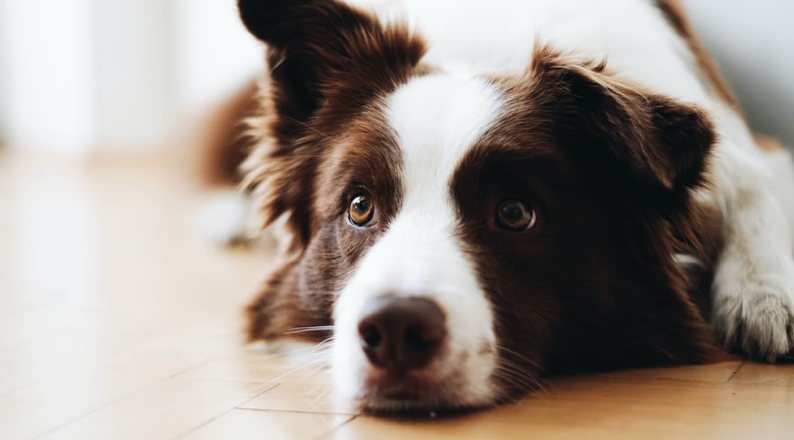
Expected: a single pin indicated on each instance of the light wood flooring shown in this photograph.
(117, 321)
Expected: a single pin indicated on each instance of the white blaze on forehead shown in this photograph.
(436, 120)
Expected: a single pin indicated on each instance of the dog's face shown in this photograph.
(466, 233)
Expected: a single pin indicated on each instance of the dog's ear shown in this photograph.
(326, 62)
(319, 50)
(661, 144)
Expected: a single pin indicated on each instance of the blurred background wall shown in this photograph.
(82, 76)
(753, 41)
(86, 76)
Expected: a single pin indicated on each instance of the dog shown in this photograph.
(477, 194)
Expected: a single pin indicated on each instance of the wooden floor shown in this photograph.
(118, 322)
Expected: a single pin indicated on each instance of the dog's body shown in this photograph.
(481, 192)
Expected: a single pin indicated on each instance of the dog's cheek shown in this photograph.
(275, 310)
(298, 296)
(522, 330)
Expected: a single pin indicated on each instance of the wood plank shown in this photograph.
(165, 411)
(61, 399)
(600, 409)
(300, 397)
(781, 374)
(271, 425)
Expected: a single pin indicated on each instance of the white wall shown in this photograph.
(48, 58)
(80, 76)
(4, 109)
(132, 70)
(753, 42)
(213, 52)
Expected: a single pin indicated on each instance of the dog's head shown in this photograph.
(465, 233)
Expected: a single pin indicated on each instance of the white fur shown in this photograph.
(479, 36)
(225, 218)
(436, 120)
(780, 163)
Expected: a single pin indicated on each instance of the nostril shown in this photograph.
(370, 334)
(413, 339)
(422, 337)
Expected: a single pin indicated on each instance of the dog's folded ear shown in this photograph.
(327, 61)
(323, 48)
(658, 142)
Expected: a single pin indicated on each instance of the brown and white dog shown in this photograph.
(481, 192)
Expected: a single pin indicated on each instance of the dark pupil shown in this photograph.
(361, 205)
(513, 212)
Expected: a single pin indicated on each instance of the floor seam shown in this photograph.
(207, 422)
(296, 411)
(116, 400)
(744, 361)
(335, 428)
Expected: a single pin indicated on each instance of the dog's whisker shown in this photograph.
(515, 371)
(317, 328)
(321, 359)
(518, 355)
(518, 378)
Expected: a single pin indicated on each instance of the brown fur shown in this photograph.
(223, 141)
(768, 144)
(309, 282)
(280, 310)
(319, 140)
(594, 282)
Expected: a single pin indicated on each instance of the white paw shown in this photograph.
(225, 219)
(755, 317)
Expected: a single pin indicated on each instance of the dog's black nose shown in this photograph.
(401, 334)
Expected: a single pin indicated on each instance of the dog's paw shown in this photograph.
(224, 220)
(757, 321)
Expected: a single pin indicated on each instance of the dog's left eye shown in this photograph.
(361, 210)
(515, 215)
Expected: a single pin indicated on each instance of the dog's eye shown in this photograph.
(361, 210)
(515, 215)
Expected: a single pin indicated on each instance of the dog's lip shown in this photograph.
(400, 402)
(406, 391)
(401, 395)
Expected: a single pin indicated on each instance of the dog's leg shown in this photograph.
(753, 291)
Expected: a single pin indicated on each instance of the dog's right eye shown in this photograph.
(361, 210)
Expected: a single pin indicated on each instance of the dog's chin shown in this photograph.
(418, 396)
(408, 404)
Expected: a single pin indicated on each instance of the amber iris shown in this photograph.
(515, 215)
(361, 210)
